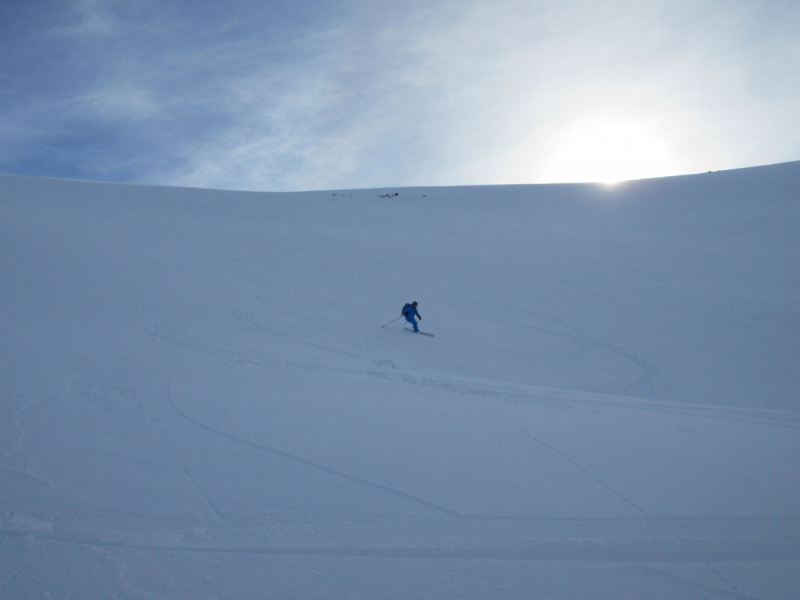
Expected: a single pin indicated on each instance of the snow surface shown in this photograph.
(199, 399)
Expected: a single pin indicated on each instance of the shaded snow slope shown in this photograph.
(200, 400)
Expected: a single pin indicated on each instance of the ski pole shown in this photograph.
(390, 322)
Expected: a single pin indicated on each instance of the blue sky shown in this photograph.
(306, 94)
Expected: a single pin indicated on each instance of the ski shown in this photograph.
(419, 332)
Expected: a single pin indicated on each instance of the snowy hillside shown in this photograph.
(199, 399)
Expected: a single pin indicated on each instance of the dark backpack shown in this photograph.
(407, 309)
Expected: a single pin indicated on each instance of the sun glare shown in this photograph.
(608, 151)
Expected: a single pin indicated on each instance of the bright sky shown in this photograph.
(309, 94)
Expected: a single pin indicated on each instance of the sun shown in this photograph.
(608, 151)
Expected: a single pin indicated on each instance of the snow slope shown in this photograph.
(199, 399)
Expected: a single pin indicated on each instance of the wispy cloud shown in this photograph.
(89, 17)
(309, 95)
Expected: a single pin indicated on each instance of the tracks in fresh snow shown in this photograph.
(572, 462)
(503, 400)
(465, 538)
(312, 464)
(190, 478)
(498, 398)
(237, 353)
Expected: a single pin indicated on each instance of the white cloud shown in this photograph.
(90, 17)
(121, 100)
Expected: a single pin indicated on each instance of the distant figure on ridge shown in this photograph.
(409, 312)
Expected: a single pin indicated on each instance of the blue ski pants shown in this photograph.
(413, 321)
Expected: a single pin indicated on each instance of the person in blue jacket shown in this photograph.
(409, 312)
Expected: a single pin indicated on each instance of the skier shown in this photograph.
(409, 312)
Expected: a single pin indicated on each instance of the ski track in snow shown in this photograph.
(648, 546)
(496, 391)
(572, 462)
(651, 548)
(234, 354)
(595, 540)
(651, 378)
(192, 481)
(310, 463)
(728, 584)
(10, 580)
(785, 545)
